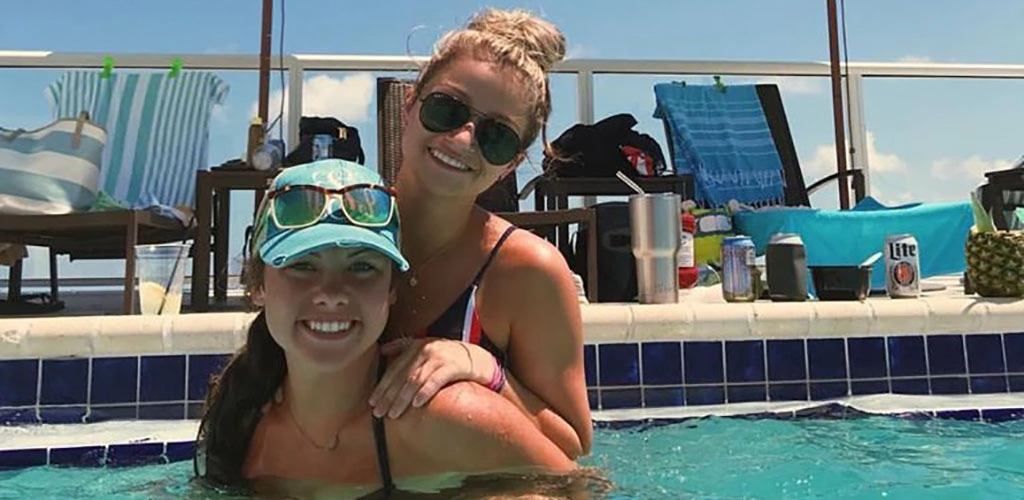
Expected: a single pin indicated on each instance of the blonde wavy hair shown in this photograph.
(514, 39)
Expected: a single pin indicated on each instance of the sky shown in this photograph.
(929, 139)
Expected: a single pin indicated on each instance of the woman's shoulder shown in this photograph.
(527, 261)
(469, 427)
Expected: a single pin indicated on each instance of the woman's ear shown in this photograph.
(409, 101)
(258, 297)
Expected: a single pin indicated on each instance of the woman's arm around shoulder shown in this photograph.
(539, 302)
(468, 428)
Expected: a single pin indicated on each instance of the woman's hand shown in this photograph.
(418, 368)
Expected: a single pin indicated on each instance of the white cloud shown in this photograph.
(580, 51)
(347, 99)
(972, 170)
(796, 84)
(219, 114)
(914, 59)
(824, 160)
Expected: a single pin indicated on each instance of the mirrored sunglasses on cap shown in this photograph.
(364, 205)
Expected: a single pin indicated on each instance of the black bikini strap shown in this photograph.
(382, 442)
(494, 251)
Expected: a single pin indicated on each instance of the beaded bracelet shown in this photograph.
(498, 378)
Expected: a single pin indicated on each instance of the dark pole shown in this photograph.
(837, 104)
(265, 40)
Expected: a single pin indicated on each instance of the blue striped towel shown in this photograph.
(723, 139)
(157, 129)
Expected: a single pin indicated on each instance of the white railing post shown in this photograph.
(858, 127)
(585, 109)
(294, 112)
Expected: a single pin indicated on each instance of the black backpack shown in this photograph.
(346, 144)
(602, 149)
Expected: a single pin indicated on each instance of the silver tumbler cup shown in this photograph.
(655, 226)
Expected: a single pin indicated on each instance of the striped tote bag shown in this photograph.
(157, 128)
(52, 170)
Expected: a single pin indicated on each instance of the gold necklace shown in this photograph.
(330, 446)
(414, 271)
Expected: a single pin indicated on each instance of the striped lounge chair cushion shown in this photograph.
(157, 129)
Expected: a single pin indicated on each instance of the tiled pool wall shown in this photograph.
(619, 375)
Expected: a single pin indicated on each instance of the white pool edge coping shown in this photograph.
(216, 333)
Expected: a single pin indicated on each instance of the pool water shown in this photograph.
(712, 458)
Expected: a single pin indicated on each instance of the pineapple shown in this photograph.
(995, 258)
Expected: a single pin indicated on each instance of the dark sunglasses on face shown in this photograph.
(499, 143)
(366, 205)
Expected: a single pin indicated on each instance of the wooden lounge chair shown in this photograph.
(135, 174)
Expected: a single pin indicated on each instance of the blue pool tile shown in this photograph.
(62, 414)
(909, 386)
(787, 392)
(786, 360)
(829, 390)
(589, 367)
(18, 382)
(1002, 414)
(906, 357)
(985, 354)
(959, 414)
(702, 363)
(114, 380)
(1016, 383)
(14, 416)
(165, 411)
(946, 355)
(867, 357)
(860, 387)
(118, 412)
(826, 359)
(744, 361)
(660, 397)
(746, 393)
(663, 363)
(201, 367)
(79, 456)
(949, 385)
(619, 364)
(17, 459)
(621, 398)
(1014, 345)
(706, 395)
(179, 451)
(162, 378)
(123, 455)
(65, 382)
(989, 384)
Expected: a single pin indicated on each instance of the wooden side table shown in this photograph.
(213, 191)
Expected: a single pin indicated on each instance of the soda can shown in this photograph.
(737, 269)
(902, 266)
(322, 145)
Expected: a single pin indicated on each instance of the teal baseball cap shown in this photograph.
(325, 204)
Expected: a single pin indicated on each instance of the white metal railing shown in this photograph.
(583, 69)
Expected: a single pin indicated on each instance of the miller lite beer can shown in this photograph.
(902, 266)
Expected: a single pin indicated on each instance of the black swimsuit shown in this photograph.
(380, 438)
(461, 321)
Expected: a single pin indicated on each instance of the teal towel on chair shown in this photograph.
(847, 237)
(723, 139)
(157, 129)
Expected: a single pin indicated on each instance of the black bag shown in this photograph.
(604, 148)
(616, 266)
(346, 145)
